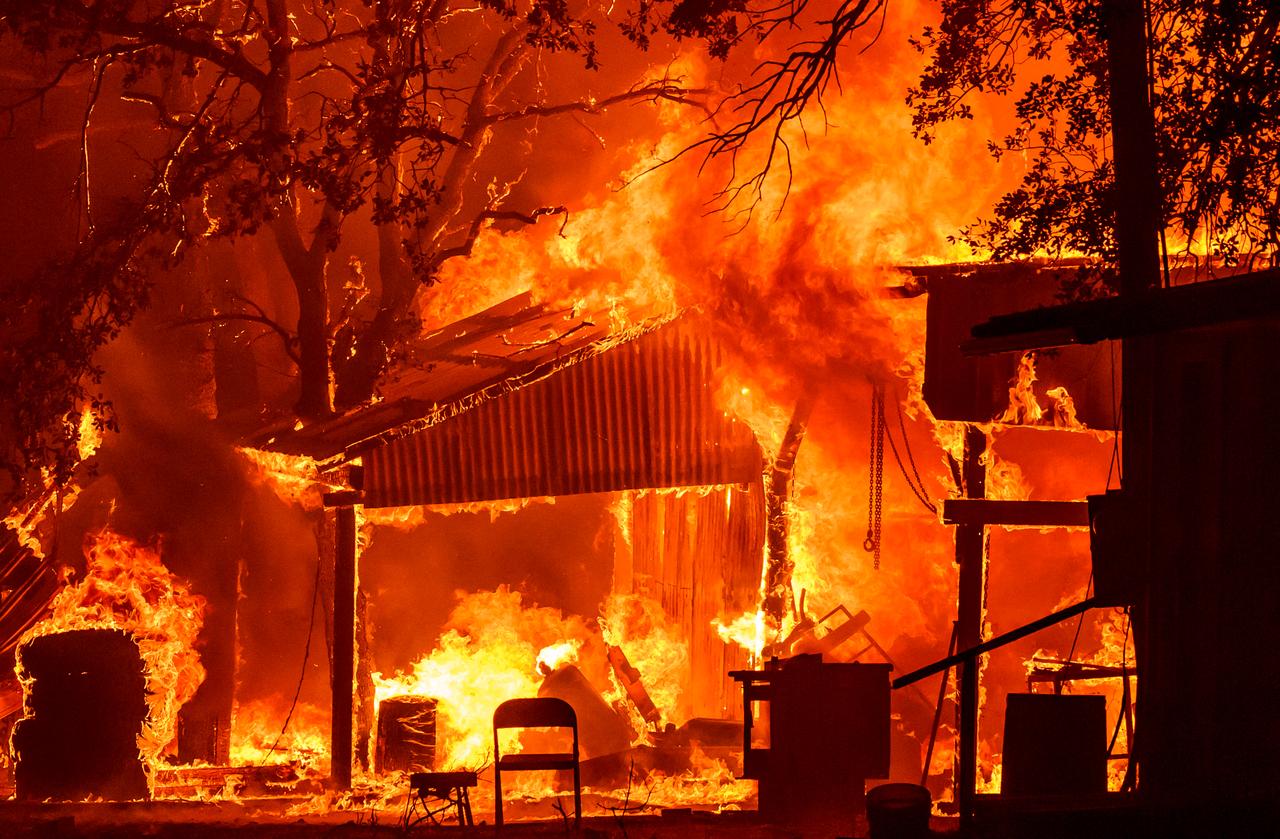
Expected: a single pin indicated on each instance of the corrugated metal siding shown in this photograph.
(639, 415)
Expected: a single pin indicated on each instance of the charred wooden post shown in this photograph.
(629, 677)
(971, 556)
(344, 642)
(86, 702)
(365, 692)
(777, 576)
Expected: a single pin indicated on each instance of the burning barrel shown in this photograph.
(86, 702)
(406, 739)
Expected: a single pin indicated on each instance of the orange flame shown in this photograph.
(295, 479)
(487, 655)
(127, 587)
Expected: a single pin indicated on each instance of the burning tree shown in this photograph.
(1211, 71)
(406, 123)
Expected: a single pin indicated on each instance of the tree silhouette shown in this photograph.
(298, 119)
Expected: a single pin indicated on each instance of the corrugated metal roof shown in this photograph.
(637, 414)
(522, 400)
(496, 348)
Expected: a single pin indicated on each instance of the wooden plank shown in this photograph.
(1234, 299)
(987, 512)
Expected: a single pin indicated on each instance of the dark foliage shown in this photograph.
(1217, 108)
(289, 116)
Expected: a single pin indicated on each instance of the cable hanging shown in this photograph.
(916, 485)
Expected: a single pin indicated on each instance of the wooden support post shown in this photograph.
(344, 642)
(971, 556)
(1139, 220)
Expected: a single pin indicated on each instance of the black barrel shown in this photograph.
(899, 811)
(406, 735)
(86, 702)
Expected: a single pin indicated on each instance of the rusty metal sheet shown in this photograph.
(509, 342)
(638, 414)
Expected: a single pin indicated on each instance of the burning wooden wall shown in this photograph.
(698, 553)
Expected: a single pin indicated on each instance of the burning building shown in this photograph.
(406, 435)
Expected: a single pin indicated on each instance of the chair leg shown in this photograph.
(497, 795)
(466, 807)
(577, 797)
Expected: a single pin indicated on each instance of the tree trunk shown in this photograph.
(306, 265)
(356, 375)
(314, 399)
(779, 565)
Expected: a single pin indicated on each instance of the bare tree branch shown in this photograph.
(783, 91)
(661, 90)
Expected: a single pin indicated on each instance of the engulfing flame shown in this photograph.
(295, 479)
(259, 735)
(554, 656)
(127, 587)
(89, 436)
(26, 521)
(487, 655)
(746, 630)
(407, 518)
(1025, 409)
(640, 627)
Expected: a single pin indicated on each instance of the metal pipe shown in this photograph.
(995, 643)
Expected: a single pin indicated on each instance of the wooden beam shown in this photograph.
(971, 556)
(1140, 313)
(987, 512)
(344, 647)
(342, 498)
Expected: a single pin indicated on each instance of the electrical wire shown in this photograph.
(306, 655)
(1116, 464)
(917, 485)
(1088, 592)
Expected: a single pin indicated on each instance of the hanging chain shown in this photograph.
(875, 476)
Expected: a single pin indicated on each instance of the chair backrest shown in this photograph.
(535, 712)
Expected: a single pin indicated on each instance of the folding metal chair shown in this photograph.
(542, 712)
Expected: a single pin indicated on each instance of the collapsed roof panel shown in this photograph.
(505, 343)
